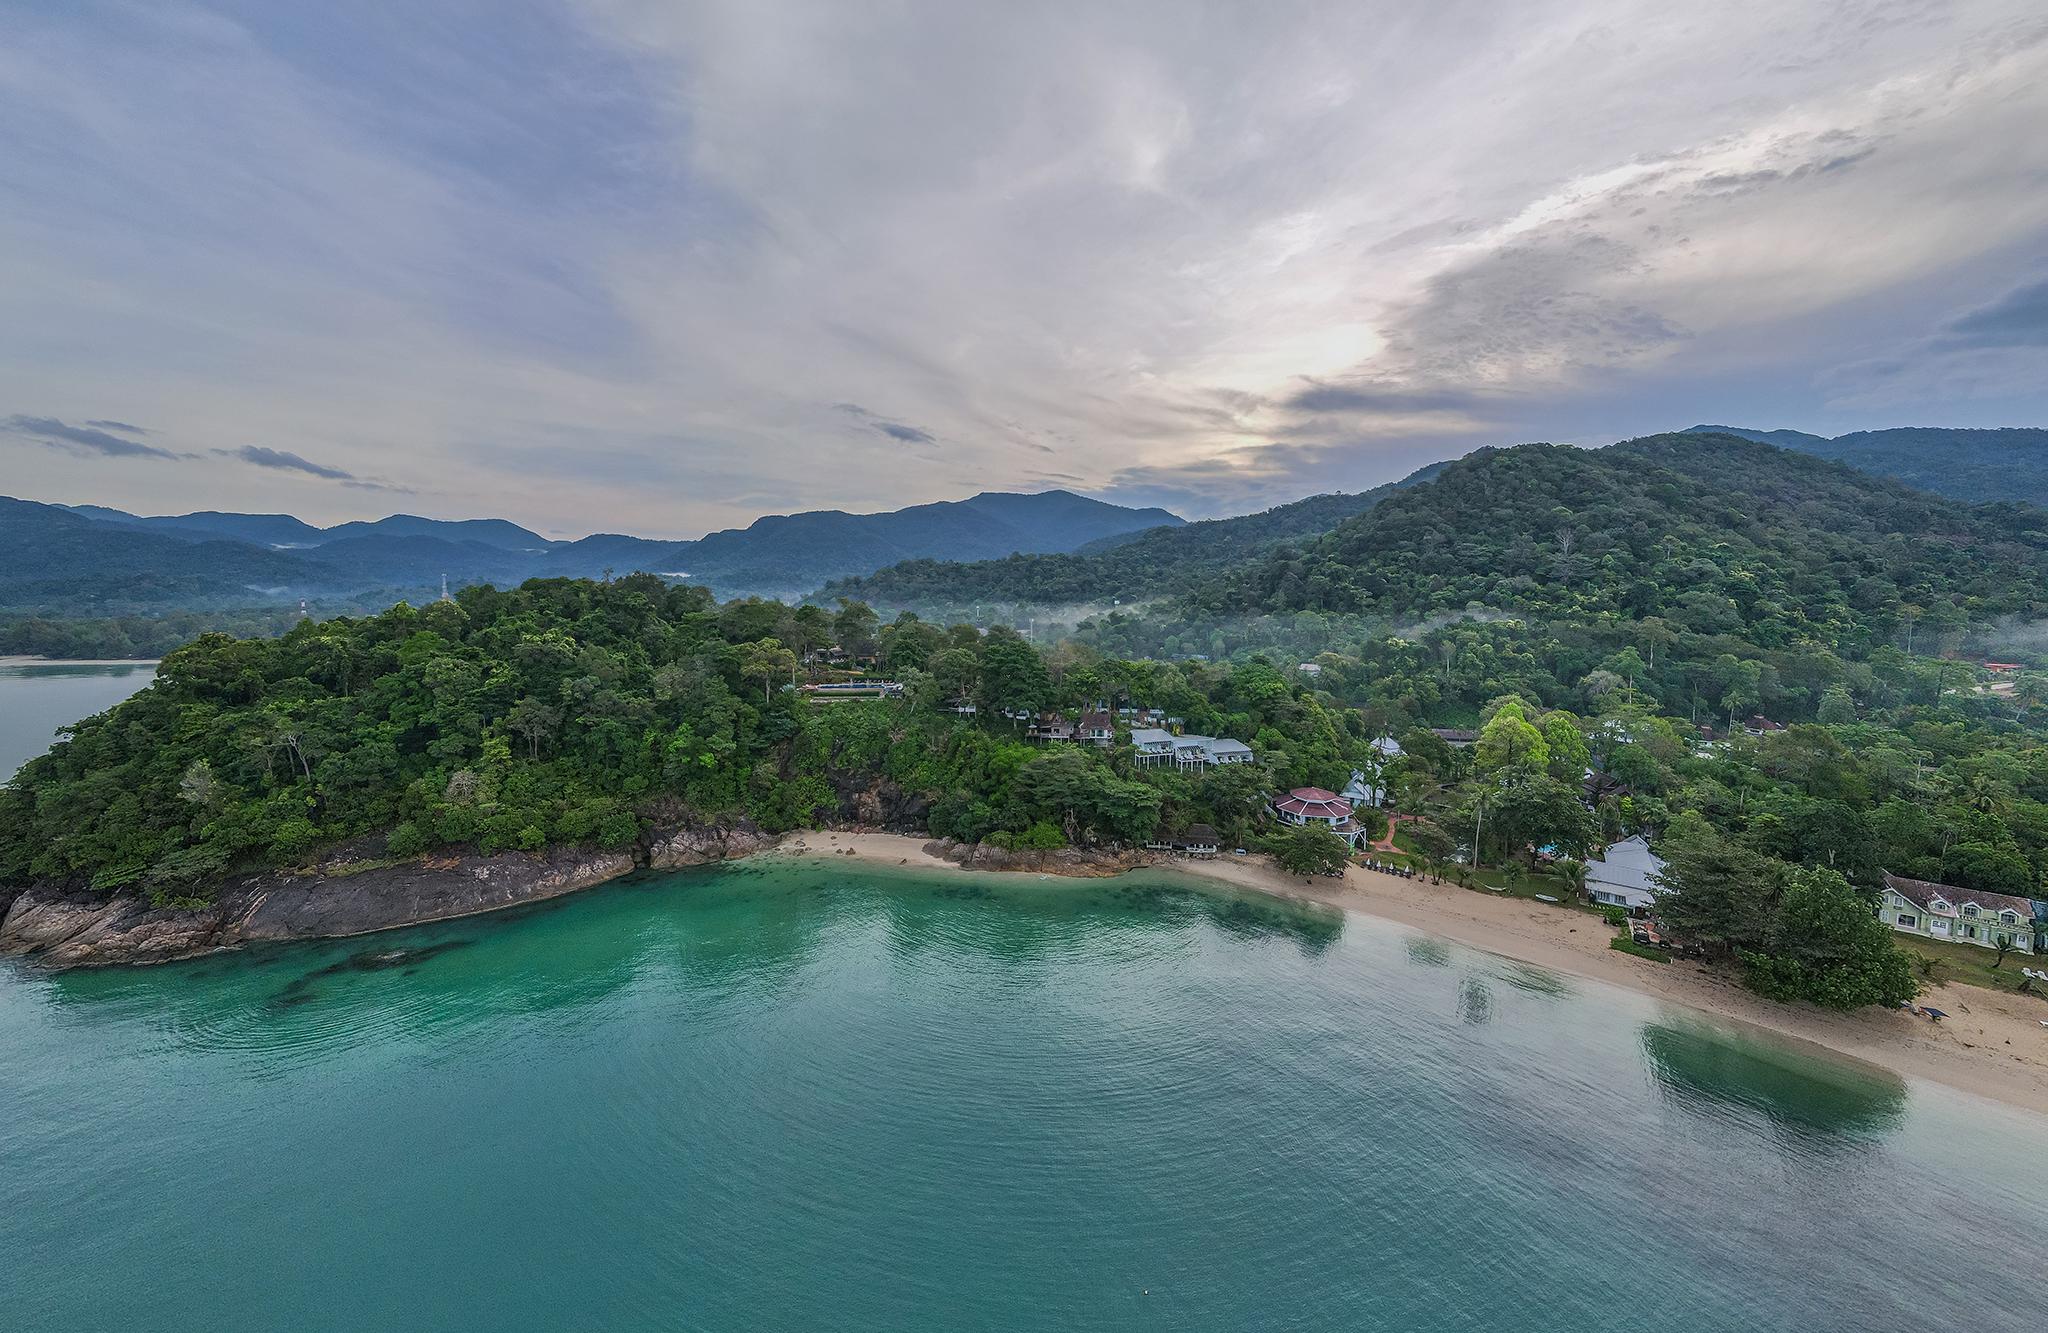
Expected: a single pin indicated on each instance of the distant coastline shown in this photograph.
(23, 659)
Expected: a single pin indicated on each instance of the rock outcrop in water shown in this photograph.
(1062, 861)
(71, 928)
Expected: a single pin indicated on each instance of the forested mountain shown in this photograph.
(1711, 534)
(52, 557)
(89, 561)
(793, 553)
(257, 529)
(1976, 465)
(1130, 568)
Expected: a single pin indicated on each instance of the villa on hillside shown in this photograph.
(1455, 737)
(1192, 752)
(1364, 790)
(1309, 806)
(1967, 916)
(1154, 745)
(1051, 727)
(1625, 876)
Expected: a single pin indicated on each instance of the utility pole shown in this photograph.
(1478, 820)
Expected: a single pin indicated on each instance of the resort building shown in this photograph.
(1306, 806)
(1153, 745)
(1192, 752)
(1455, 737)
(1945, 912)
(1625, 876)
(1364, 789)
(1051, 727)
(1197, 840)
(1095, 728)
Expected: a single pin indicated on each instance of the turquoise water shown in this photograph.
(812, 1096)
(37, 698)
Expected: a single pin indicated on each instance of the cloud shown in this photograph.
(121, 426)
(2017, 319)
(285, 461)
(641, 249)
(82, 439)
(1997, 349)
(895, 430)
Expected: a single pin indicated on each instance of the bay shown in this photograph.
(36, 698)
(803, 1095)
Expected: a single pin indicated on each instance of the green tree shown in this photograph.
(1509, 739)
(1826, 946)
(1308, 849)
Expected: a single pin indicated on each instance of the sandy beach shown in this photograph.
(1991, 1045)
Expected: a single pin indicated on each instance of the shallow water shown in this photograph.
(809, 1096)
(39, 697)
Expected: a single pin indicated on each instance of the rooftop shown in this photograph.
(1922, 891)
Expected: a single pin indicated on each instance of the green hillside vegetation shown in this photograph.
(1151, 564)
(1979, 466)
(576, 712)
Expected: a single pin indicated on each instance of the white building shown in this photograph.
(1371, 789)
(1209, 751)
(1624, 876)
(1153, 744)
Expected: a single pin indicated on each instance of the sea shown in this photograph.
(820, 1095)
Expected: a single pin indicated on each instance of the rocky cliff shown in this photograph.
(67, 928)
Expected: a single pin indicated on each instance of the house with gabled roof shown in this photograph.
(1626, 875)
(1096, 727)
(1965, 916)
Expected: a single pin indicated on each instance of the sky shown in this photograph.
(660, 267)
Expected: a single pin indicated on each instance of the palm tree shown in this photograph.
(1982, 794)
(1573, 873)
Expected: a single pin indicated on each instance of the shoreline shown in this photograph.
(25, 659)
(1991, 1045)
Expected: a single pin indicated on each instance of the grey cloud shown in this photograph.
(1534, 307)
(1366, 397)
(895, 430)
(89, 439)
(1996, 349)
(2017, 319)
(121, 426)
(285, 461)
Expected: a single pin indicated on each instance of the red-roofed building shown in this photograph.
(1313, 805)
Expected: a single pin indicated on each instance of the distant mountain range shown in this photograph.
(1127, 568)
(1981, 466)
(88, 560)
